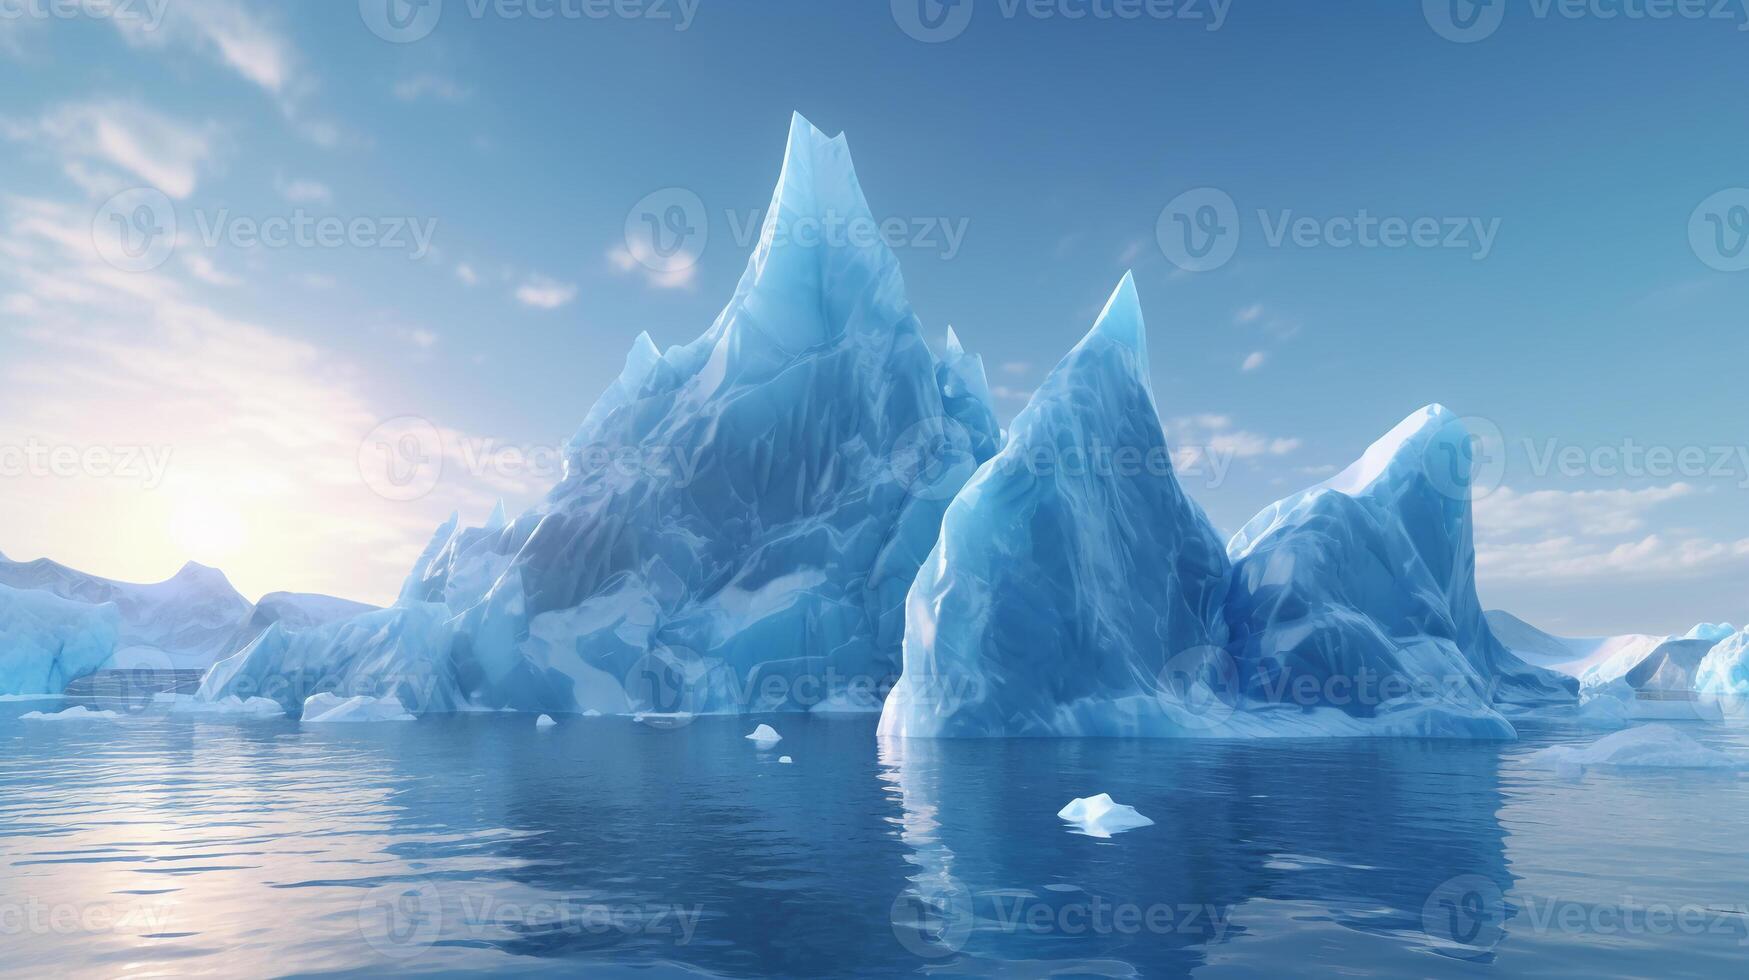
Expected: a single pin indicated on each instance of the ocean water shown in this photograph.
(164, 846)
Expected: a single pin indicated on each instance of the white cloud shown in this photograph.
(1249, 314)
(202, 268)
(1560, 536)
(542, 293)
(301, 191)
(151, 147)
(237, 36)
(429, 86)
(675, 273)
(466, 274)
(1253, 361)
(1193, 436)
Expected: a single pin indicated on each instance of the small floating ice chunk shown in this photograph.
(544, 721)
(784, 760)
(765, 735)
(592, 713)
(76, 713)
(225, 707)
(332, 709)
(1101, 816)
(1646, 747)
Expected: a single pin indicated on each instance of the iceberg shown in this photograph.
(182, 623)
(1101, 816)
(402, 652)
(330, 709)
(739, 518)
(545, 721)
(1646, 747)
(765, 735)
(1573, 656)
(47, 642)
(1071, 570)
(1359, 595)
(75, 713)
(784, 760)
(1724, 671)
(1711, 632)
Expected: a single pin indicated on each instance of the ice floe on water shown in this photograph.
(74, 714)
(326, 709)
(1648, 746)
(1101, 816)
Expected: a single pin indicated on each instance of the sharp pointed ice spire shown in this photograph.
(1121, 320)
(954, 347)
(497, 520)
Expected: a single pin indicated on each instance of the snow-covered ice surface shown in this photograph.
(739, 518)
(1648, 746)
(1101, 816)
(1071, 570)
(74, 714)
(328, 709)
(46, 642)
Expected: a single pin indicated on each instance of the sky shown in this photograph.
(253, 256)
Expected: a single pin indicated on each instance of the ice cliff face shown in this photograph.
(1725, 668)
(46, 642)
(740, 517)
(1071, 570)
(1101, 604)
(1359, 595)
(186, 621)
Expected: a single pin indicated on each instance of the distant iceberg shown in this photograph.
(47, 642)
(1724, 670)
(1645, 747)
(329, 709)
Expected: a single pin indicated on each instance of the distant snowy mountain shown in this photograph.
(184, 622)
(1629, 664)
(740, 517)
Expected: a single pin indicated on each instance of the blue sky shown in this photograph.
(1562, 157)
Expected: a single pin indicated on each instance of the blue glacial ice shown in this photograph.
(1724, 671)
(47, 642)
(1359, 594)
(402, 651)
(739, 518)
(1071, 569)
(1096, 600)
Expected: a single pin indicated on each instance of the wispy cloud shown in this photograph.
(1548, 536)
(1253, 361)
(638, 258)
(237, 36)
(429, 86)
(303, 191)
(542, 293)
(145, 145)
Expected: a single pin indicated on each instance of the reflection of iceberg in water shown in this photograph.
(1249, 843)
